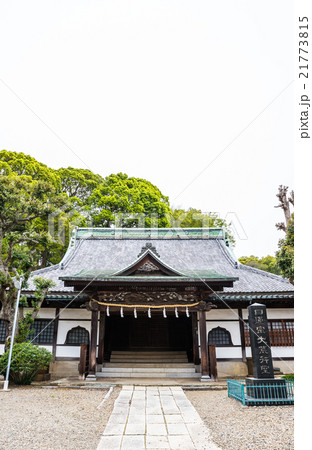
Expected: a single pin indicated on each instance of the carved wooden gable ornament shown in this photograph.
(148, 263)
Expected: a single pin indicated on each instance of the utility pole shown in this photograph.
(18, 285)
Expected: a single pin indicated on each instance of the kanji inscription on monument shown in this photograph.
(260, 341)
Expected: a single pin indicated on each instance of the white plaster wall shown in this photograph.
(275, 313)
(280, 313)
(221, 314)
(44, 313)
(68, 351)
(228, 352)
(76, 313)
(277, 352)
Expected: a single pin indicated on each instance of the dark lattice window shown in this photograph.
(2, 331)
(219, 337)
(43, 332)
(77, 336)
(281, 332)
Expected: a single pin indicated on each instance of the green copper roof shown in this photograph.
(108, 275)
(150, 233)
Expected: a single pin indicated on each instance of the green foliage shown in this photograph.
(24, 327)
(42, 285)
(124, 196)
(267, 263)
(49, 249)
(27, 361)
(25, 205)
(21, 164)
(78, 184)
(285, 254)
(289, 377)
(195, 218)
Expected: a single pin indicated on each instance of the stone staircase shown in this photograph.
(160, 364)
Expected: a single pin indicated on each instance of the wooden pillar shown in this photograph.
(55, 330)
(242, 334)
(101, 338)
(93, 343)
(195, 339)
(213, 371)
(203, 345)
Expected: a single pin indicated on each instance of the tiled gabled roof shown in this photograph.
(195, 251)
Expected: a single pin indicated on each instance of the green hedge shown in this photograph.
(27, 361)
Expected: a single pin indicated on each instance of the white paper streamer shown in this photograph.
(121, 311)
(149, 313)
(107, 310)
(187, 312)
(164, 313)
(176, 312)
(135, 313)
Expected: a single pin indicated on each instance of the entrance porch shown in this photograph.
(143, 333)
(148, 347)
(167, 344)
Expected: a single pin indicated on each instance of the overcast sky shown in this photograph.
(194, 96)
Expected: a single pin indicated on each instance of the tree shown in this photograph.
(284, 203)
(23, 202)
(22, 164)
(78, 184)
(195, 218)
(267, 263)
(285, 254)
(127, 202)
(63, 181)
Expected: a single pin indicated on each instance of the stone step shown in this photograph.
(138, 361)
(120, 352)
(148, 357)
(146, 364)
(147, 369)
(177, 374)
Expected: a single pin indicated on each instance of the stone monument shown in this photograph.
(262, 385)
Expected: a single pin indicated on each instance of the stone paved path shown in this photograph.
(154, 418)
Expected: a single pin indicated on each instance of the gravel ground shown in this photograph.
(234, 426)
(36, 418)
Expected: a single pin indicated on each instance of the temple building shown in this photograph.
(158, 303)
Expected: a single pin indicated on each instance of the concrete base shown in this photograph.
(230, 369)
(91, 377)
(60, 369)
(205, 378)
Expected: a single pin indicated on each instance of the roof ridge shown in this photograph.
(45, 269)
(150, 233)
(70, 254)
(227, 254)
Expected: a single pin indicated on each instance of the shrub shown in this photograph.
(288, 377)
(27, 361)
